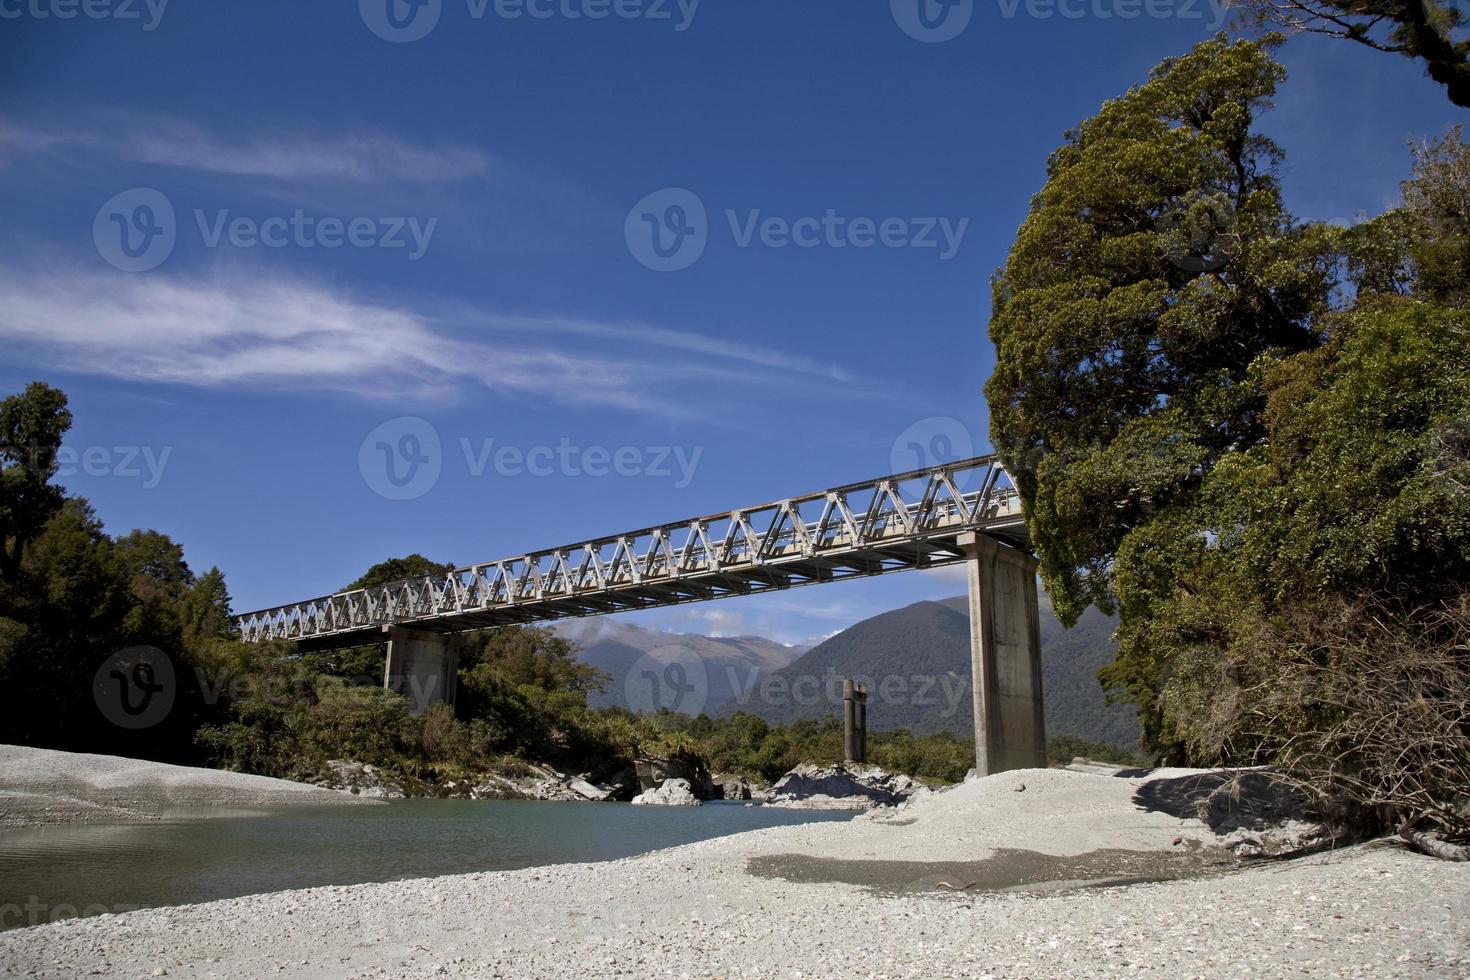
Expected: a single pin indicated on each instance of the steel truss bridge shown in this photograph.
(893, 523)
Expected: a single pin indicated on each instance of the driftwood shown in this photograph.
(1432, 845)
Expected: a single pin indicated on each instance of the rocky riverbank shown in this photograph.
(41, 786)
(654, 782)
(981, 879)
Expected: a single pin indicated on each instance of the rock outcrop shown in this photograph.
(654, 771)
(361, 779)
(733, 788)
(535, 783)
(845, 787)
(673, 792)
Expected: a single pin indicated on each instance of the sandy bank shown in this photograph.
(699, 911)
(41, 786)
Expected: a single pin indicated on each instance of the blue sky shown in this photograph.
(439, 239)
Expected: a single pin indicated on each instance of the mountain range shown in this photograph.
(915, 661)
(689, 672)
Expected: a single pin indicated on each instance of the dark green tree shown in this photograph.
(31, 427)
(1156, 264)
(204, 608)
(1429, 31)
(1280, 429)
(398, 569)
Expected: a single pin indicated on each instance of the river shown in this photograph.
(58, 872)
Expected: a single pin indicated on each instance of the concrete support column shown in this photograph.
(423, 666)
(1005, 657)
(854, 722)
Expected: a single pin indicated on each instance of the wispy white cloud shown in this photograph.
(359, 157)
(680, 340)
(259, 328)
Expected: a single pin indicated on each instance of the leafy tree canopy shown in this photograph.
(1156, 263)
(398, 569)
(1215, 414)
(31, 426)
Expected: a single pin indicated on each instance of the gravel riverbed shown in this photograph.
(699, 911)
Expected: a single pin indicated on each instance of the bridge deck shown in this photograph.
(893, 523)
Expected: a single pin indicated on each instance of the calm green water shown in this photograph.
(58, 872)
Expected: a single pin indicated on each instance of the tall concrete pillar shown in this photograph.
(1005, 657)
(423, 666)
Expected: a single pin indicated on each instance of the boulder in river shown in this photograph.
(844, 787)
(654, 771)
(732, 788)
(673, 792)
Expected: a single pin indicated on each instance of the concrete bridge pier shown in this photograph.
(421, 665)
(1005, 656)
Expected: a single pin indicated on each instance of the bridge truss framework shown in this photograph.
(964, 511)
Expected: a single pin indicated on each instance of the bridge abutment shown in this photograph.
(422, 666)
(1005, 656)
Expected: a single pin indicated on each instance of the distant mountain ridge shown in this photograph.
(916, 661)
(710, 669)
